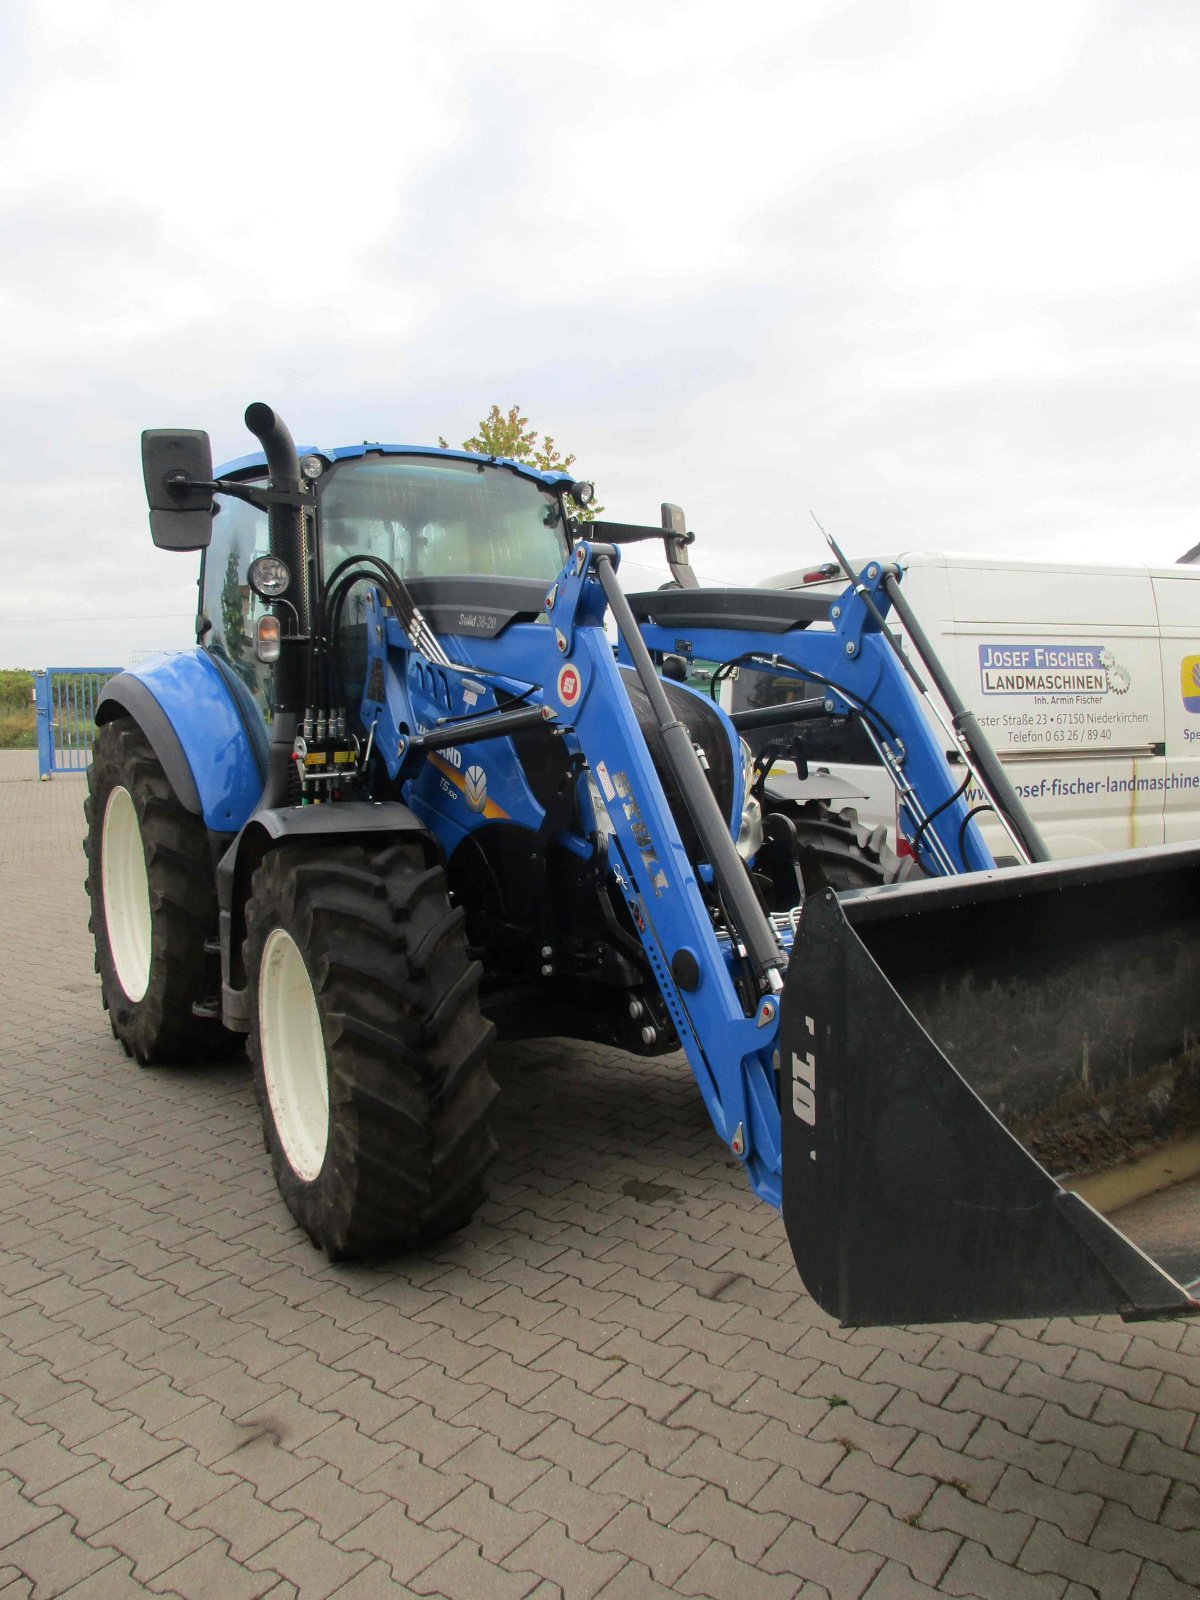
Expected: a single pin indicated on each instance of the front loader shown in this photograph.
(405, 795)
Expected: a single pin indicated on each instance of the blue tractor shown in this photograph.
(407, 794)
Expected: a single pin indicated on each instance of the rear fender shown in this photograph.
(203, 726)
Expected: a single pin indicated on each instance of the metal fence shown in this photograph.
(66, 715)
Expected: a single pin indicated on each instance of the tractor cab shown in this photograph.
(425, 514)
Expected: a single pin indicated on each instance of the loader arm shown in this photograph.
(720, 980)
(730, 1039)
(905, 1197)
(745, 991)
(862, 671)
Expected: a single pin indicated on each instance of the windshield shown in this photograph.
(428, 517)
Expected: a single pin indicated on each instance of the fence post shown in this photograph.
(45, 733)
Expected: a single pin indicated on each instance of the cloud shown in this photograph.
(927, 268)
(1051, 225)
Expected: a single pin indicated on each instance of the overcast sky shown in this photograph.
(929, 269)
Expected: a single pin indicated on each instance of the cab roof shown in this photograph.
(345, 452)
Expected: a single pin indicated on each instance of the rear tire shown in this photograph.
(368, 1046)
(834, 850)
(153, 902)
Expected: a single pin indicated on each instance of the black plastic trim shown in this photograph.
(481, 607)
(757, 610)
(346, 816)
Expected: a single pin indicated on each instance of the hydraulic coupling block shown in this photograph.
(325, 757)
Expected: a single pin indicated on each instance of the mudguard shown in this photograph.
(204, 727)
(320, 824)
(346, 818)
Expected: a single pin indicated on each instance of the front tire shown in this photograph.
(153, 901)
(368, 1046)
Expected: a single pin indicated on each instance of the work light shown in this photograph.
(268, 576)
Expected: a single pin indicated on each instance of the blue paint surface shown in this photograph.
(199, 706)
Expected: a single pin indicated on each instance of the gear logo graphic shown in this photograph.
(1118, 676)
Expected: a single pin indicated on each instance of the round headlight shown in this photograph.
(582, 493)
(268, 576)
(312, 466)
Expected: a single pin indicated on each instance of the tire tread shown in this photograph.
(159, 1028)
(410, 1091)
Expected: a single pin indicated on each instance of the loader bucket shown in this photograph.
(948, 1045)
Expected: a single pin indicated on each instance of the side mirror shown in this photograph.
(676, 538)
(177, 467)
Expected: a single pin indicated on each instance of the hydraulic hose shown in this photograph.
(981, 759)
(729, 870)
(993, 776)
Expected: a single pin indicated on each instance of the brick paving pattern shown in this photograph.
(613, 1386)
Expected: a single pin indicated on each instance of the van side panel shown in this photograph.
(1178, 597)
(1087, 681)
(1062, 666)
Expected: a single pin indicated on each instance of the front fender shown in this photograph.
(203, 726)
(312, 825)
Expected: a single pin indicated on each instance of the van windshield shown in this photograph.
(428, 517)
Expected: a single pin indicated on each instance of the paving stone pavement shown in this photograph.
(612, 1386)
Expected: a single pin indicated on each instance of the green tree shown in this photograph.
(16, 689)
(18, 719)
(508, 434)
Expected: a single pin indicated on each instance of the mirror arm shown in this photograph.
(677, 558)
(261, 499)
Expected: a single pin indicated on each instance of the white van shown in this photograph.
(1086, 679)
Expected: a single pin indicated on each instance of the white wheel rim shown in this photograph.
(126, 891)
(293, 1055)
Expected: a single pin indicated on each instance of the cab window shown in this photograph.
(428, 518)
(227, 600)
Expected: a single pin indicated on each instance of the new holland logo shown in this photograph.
(1189, 682)
(475, 788)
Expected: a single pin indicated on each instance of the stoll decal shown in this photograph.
(570, 685)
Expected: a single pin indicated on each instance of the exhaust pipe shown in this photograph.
(278, 445)
(290, 534)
